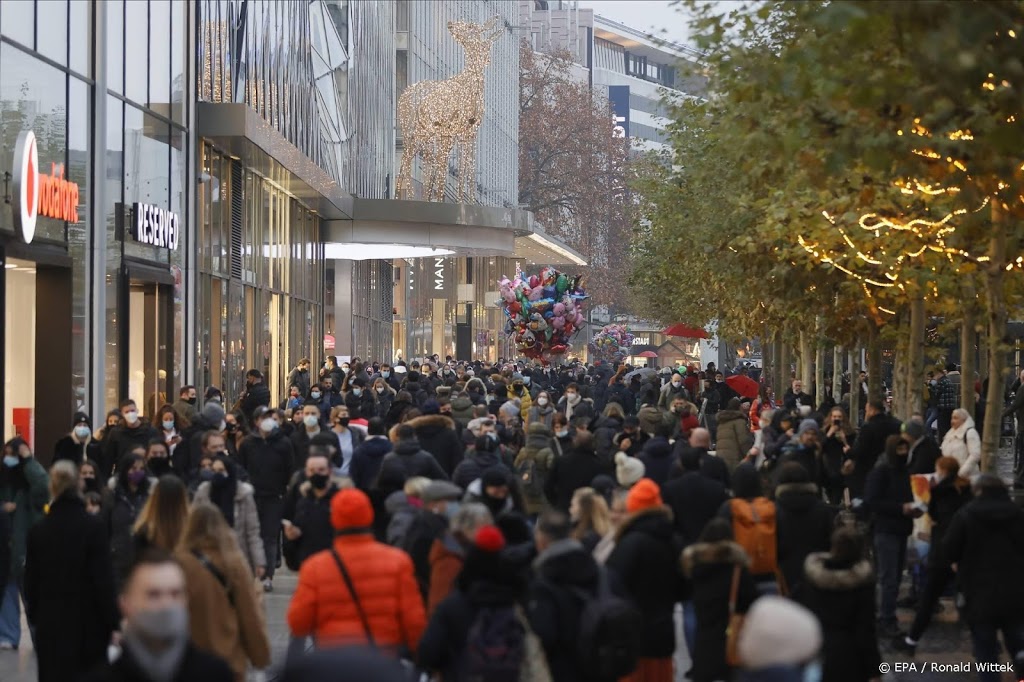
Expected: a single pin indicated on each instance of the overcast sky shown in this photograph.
(659, 17)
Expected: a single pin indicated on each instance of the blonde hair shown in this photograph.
(163, 516)
(206, 530)
(63, 477)
(593, 513)
(416, 486)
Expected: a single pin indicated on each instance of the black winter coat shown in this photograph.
(186, 456)
(120, 441)
(67, 448)
(694, 500)
(361, 406)
(658, 460)
(197, 665)
(471, 468)
(868, 447)
(127, 506)
(562, 571)
(605, 429)
(411, 460)
(269, 462)
(710, 567)
(986, 541)
(843, 599)
(923, 456)
(300, 446)
(804, 524)
(366, 462)
(645, 564)
(69, 590)
(438, 436)
(887, 490)
(313, 517)
(258, 395)
(575, 469)
(946, 500)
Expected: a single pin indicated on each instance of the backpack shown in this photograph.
(753, 525)
(528, 472)
(495, 646)
(609, 639)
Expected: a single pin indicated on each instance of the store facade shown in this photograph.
(95, 150)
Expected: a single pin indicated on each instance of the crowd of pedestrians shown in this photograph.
(502, 522)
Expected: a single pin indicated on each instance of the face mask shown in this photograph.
(11, 461)
(563, 433)
(385, 374)
(542, 401)
(168, 425)
(357, 392)
(268, 425)
(310, 420)
(526, 381)
(164, 625)
(319, 481)
(343, 421)
(82, 431)
(219, 478)
(136, 476)
(191, 401)
(344, 368)
(380, 390)
(315, 395)
(159, 465)
(90, 483)
(677, 384)
(451, 509)
(493, 436)
(131, 417)
(206, 474)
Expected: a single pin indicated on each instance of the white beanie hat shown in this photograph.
(628, 470)
(778, 631)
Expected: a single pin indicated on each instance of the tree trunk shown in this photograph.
(996, 310)
(776, 375)
(806, 373)
(855, 385)
(875, 391)
(915, 376)
(967, 336)
(837, 373)
(819, 363)
(784, 363)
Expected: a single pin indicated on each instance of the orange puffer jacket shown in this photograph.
(384, 580)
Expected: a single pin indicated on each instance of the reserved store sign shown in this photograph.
(154, 226)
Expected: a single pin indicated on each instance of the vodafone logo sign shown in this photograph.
(37, 194)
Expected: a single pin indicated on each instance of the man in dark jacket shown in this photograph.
(189, 451)
(300, 437)
(359, 400)
(657, 455)
(924, 451)
(890, 501)
(409, 458)
(694, 498)
(133, 432)
(806, 451)
(268, 458)
(155, 643)
(79, 445)
(575, 469)
(416, 388)
(870, 443)
(804, 522)
(795, 398)
(309, 526)
(438, 436)
(300, 377)
(710, 465)
(485, 454)
(256, 393)
(563, 571)
(368, 457)
(985, 541)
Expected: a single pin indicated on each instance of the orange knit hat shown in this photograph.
(351, 508)
(644, 495)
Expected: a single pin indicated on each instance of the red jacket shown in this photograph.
(384, 580)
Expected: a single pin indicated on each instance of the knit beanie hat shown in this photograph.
(650, 418)
(213, 413)
(807, 425)
(82, 418)
(644, 495)
(778, 632)
(628, 470)
(351, 508)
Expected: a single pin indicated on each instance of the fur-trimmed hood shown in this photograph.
(432, 423)
(825, 577)
(642, 518)
(722, 552)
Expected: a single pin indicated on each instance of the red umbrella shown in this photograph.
(745, 386)
(647, 354)
(685, 331)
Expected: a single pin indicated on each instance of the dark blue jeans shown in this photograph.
(890, 555)
(986, 644)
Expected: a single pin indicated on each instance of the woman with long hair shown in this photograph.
(839, 436)
(170, 427)
(224, 612)
(589, 514)
(163, 516)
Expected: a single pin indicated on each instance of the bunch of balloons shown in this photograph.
(544, 311)
(612, 343)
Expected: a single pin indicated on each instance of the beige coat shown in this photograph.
(247, 522)
(734, 438)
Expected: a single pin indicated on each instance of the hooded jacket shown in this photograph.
(367, 460)
(986, 541)
(446, 558)
(887, 490)
(694, 500)
(710, 566)
(411, 460)
(964, 444)
(538, 450)
(734, 438)
(867, 448)
(658, 460)
(804, 524)
(247, 521)
(843, 599)
(473, 466)
(462, 410)
(645, 563)
(437, 435)
(269, 463)
(574, 469)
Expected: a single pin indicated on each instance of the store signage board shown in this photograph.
(36, 194)
(155, 226)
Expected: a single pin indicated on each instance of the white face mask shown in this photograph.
(380, 389)
(82, 431)
(131, 417)
(677, 384)
(542, 401)
(310, 420)
(168, 425)
(268, 425)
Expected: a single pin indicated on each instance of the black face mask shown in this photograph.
(159, 465)
(191, 401)
(219, 479)
(230, 427)
(319, 481)
(343, 421)
(91, 484)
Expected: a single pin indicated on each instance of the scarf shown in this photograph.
(158, 667)
(224, 497)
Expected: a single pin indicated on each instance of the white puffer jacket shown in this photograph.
(964, 444)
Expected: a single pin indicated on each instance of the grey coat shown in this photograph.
(247, 521)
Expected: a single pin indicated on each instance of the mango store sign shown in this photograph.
(36, 194)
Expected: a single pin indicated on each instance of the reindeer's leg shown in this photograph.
(444, 153)
(468, 168)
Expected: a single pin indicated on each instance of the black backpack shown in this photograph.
(608, 642)
(495, 646)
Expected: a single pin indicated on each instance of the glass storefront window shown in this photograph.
(79, 135)
(146, 172)
(20, 357)
(115, 45)
(136, 31)
(112, 197)
(80, 38)
(53, 30)
(179, 46)
(17, 21)
(160, 57)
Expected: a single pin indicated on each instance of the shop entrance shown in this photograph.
(37, 343)
(150, 353)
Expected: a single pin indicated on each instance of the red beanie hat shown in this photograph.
(489, 539)
(351, 508)
(645, 494)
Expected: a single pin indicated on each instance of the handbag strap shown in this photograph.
(216, 572)
(355, 597)
(734, 589)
